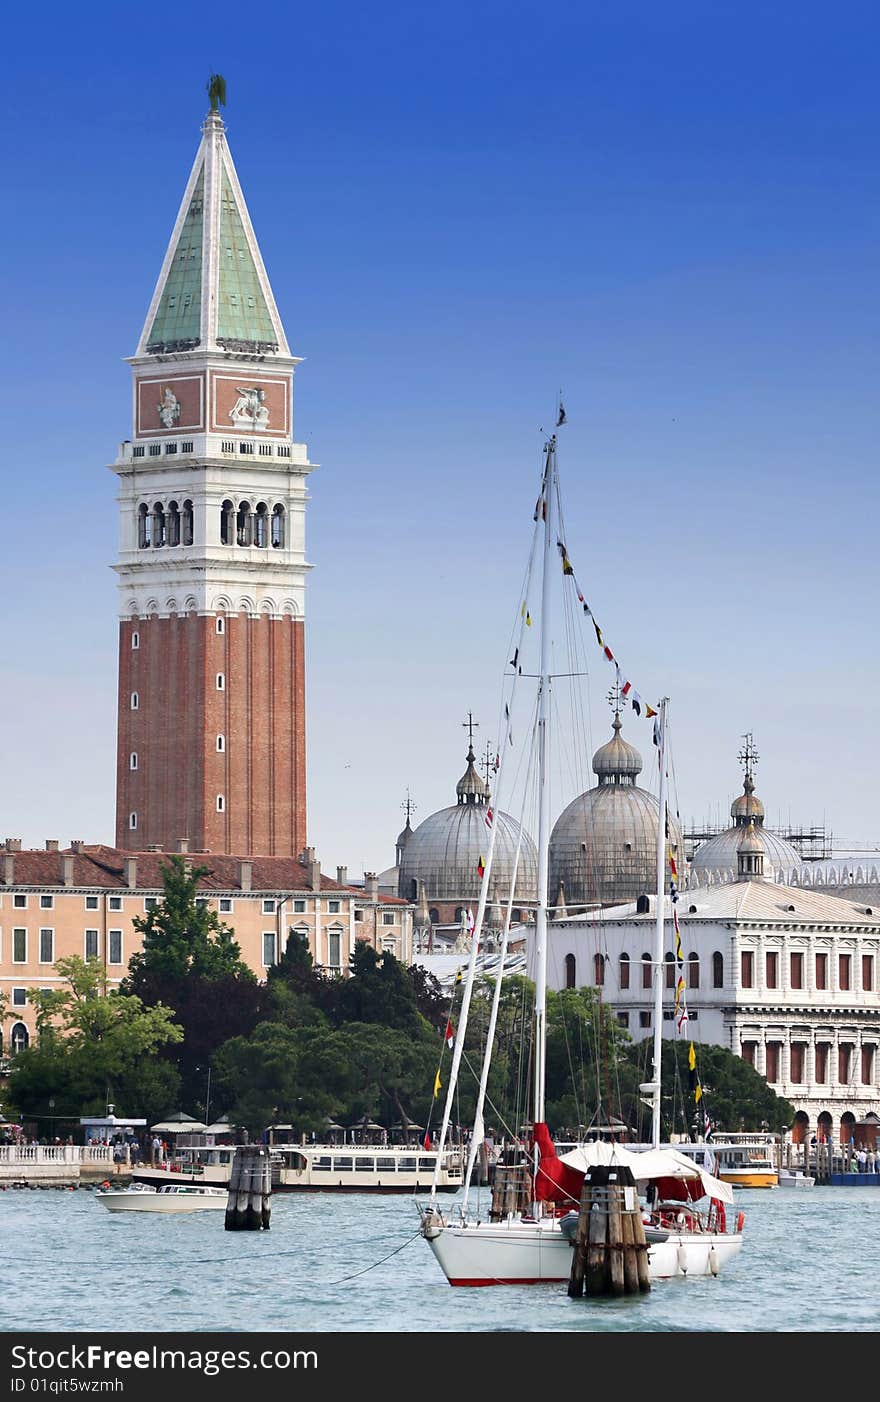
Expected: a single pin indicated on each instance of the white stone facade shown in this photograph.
(756, 957)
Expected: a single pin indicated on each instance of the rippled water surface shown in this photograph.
(811, 1262)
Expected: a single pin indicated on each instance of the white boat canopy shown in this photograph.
(652, 1163)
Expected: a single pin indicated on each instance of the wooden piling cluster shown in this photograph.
(511, 1190)
(250, 1187)
(610, 1252)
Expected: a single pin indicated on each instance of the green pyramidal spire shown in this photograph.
(213, 293)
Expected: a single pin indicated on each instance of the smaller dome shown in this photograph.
(404, 836)
(747, 806)
(470, 787)
(616, 759)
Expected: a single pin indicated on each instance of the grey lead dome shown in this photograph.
(603, 847)
(443, 852)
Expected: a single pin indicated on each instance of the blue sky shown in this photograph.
(669, 212)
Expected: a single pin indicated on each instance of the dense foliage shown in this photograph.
(305, 1048)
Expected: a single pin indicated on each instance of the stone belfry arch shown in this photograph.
(212, 567)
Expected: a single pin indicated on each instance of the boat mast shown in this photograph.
(548, 500)
(659, 928)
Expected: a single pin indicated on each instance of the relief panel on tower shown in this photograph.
(172, 404)
(250, 403)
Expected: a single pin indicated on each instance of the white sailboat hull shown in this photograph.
(529, 1253)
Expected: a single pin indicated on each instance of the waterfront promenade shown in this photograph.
(56, 1165)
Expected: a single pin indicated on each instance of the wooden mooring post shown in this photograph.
(511, 1191)
(610, 1252)
(250, 1188)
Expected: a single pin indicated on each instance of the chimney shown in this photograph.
(131, 872)
(342, 876)
(8, 869)
(183, 844)
(13, 844)
(52, 844)
(314, 871)
(245, 876)
(76, 844)
(67, 869)
(371, 885)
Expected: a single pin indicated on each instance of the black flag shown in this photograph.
(561, 419)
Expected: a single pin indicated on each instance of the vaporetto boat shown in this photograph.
(322, 1168)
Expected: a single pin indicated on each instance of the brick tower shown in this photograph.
(211, 712)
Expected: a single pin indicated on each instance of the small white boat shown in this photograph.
(166, 1197)
(795, 1178)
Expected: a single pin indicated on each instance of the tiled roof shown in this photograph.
(98, 865)
(759, 901)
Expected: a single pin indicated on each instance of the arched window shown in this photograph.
(134, 701)
(221, 744)
(646, 971)
(599, 969)
(221, 803)
(173, 525)
(244, 524)
(221, 681)
(458, 912)
(135, 641)
(694, 970)
(570, 971)
(19, 1038)
(133, 760)
(624, 971)
(516, 916)
(717, 969)
(143, 527)
(158, 524)
(227, 511)
(278, 525)
(261, 525)
(221, 624)
(187, 523)
(669, 969)
(132, 821)
(434, 915)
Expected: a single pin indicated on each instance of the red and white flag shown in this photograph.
(449, 1035)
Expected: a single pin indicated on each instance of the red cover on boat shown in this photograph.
(556, 1181)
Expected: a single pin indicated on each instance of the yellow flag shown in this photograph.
(692, 1057)
(437, 1083)
(698, 1093)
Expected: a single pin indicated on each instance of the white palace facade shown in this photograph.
(785, 977)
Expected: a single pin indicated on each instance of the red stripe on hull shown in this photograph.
(521, 1280)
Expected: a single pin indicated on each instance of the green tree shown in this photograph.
(257, 1076)
(94, 1043)
(182, 937)
(190, 961)
(734, 1095)
(379, 990)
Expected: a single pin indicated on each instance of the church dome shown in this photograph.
(444, 851)
(604, 844)
(617, 761)
(719, 856)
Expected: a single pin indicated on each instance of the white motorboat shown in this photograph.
(795, 1178)
(166, 1197)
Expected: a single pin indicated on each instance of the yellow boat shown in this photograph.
(743, 1160)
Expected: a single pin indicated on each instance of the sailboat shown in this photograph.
(532, 1242)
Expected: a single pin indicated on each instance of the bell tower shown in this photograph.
(212, 568)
